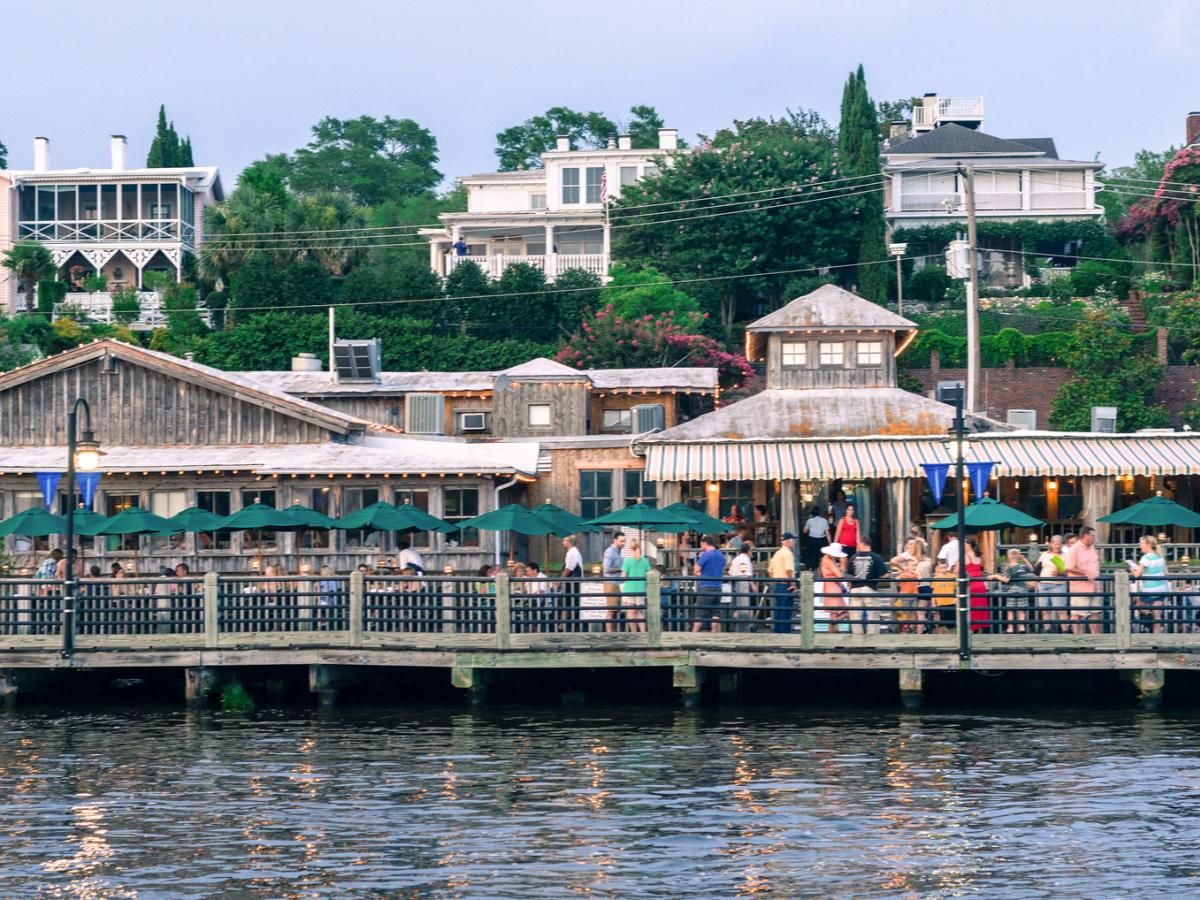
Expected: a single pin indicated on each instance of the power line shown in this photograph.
(603, 287)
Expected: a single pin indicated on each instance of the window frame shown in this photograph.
(572, 184)
(593, 501)
(469, 537)
(529, 414)
(840, 347)
(591, 189)
(878, 352)
(624, 424)
(218, 540)
(784, 348)
(640, 494)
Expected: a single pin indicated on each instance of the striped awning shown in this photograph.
(1027, 455)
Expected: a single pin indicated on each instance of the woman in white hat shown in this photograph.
(830, 591)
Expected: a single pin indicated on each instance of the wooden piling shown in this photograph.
(8, 688)
(199, 684)
(911, 683)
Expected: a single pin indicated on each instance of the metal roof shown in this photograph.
(830, 307)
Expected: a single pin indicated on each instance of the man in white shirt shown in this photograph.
(949, 553)
(572, 571)
(410, 558)
(816, 532)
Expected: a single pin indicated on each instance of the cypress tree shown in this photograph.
(185, 152)
(167, 150)
(858, 148)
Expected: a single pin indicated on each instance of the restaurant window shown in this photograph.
(539, 415)
(795, 353)
(570, 185)
(420, 500)
(255, 540)
(167, 504)
(595, 492)
(458, 505)
(617, 420)
(870, 353)
(355, 499)
(118, 503)
(695, 495)
(595, 176)
(737, 501)
(217, 503)
(832, 353)
(21, 543)
(638, 489)
(1070, 498)
(316, 499)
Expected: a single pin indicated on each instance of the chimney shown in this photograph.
(624, 142)
(41, 154)
(897, 129)
(563, 144)
(117, 145)
(668, 138)
(1162, 347)
(612, 143)
(925, 116)
(1193, 129)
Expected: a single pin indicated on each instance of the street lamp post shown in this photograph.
(964, 582)
(898, 251)
(83, 455)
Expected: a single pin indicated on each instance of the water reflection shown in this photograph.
(598, 803)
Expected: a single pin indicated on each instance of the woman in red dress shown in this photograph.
(847, 530)
(978, 588)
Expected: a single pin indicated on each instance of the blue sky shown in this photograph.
(251, 77)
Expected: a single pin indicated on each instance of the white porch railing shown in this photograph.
(998, 201)
(98, 308)
(1059, 199)
(930, 202)
(82, 230)
(948, 108)
(493, 266)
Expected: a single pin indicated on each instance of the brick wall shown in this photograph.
(1034, 387)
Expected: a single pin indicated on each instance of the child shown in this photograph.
(943, 598)
(908, 612)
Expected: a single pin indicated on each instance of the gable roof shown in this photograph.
(1046, 145)
(228, 383)
(954, 139)
(544, 368)
(830, 307)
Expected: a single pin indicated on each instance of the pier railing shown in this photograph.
(460, 612)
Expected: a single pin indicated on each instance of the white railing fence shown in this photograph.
(493, 265)
(97, 307)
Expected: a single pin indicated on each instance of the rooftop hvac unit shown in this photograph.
(649, 417)
(1104, 419)
(1025, 419)
(356, 360)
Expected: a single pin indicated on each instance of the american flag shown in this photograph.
(603, 187)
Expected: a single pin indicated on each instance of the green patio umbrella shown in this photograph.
(386, 517)
(259, 516)
(306, 518)
(645, 517)
(702, 520)
(1154, 513)
(423, 521)
(513, 517)
(86, 521)
(566, 522)
(195, 519)
(988, 514)
(134, 520)
(34, 522)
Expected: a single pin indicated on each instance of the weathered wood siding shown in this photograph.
(568, 402)
(135, 406)
(629, 401)
(382, 410)
(813, 375)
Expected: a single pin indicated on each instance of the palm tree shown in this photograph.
(31, 262)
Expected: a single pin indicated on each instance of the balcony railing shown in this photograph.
(1059, 200)
(97, 307)
(88, 230)
(940, 202)
(949, 108)
(493, 266)
(955, 204)
(1010, 200)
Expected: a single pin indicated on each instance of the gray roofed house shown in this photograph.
(952, 139)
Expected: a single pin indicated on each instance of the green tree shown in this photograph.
(30, 262)
(180, 302)
(319, 227)
(634, 293)
(257, 284)
(577, 296)
(3, 156)
(1145, 172)
(643, 127)
(370, 160)
(889, 111)
(763, 216)
(1108, 371)
(126, 307)
(858, 150)
(521, 146)
(243, 226)
(464, 286)
(166, 150)
(306, 281)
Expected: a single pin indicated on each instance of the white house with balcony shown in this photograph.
(118, 222)
(1015, 179)
(551, 217)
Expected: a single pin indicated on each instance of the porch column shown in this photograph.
(1026, 188)
(435, 258)
(551, 267)
(898, 493)
(669, 492)
(607, 245)
(789, 516)
(897, 190)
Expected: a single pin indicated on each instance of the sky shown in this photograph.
(247, 78)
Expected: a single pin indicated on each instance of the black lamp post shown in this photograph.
(964, 582)
(83, 455)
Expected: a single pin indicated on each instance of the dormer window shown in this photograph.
(795, 353)
(870, 353)
(832, 353)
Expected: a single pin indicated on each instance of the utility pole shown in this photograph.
(898, 251)
(972, 293)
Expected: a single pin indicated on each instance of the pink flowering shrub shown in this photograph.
(610, 341)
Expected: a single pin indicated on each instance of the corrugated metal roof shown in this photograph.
(831, 307)
(1016, 456)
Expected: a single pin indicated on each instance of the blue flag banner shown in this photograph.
(980, 474)
(87, 482)
(935, 474)
(48, 482)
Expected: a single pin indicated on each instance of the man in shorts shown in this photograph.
(710, 567)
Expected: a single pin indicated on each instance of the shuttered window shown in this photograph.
(424, 413)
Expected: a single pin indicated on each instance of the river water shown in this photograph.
(533, 803)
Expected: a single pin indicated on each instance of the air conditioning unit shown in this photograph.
(1025, 419)
(649, 417)
(1104, 419)
(472, 421)
(949, 391)
(424, 413)
(357, 360)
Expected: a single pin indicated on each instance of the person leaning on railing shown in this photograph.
(1051, 569)
(1151, 586)
(782, 570)
(1083, 565)
(1016, 576)
(742, 567)
(710, 567)
(633, 589)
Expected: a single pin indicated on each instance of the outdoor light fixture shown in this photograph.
(87, 453)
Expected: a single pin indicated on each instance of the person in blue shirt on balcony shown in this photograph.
(461, 248)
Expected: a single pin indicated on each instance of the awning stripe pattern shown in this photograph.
(1177, 454)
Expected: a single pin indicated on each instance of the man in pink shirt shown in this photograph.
(1083, 565)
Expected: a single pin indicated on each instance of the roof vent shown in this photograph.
(357, 360)
(306, 362)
